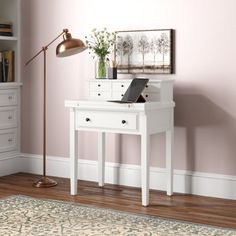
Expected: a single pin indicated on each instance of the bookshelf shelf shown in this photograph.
(7, 38)
(10, 92)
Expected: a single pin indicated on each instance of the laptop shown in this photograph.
(133, 93)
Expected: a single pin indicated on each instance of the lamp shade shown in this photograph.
(69, 46)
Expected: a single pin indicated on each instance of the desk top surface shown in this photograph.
(104, 105)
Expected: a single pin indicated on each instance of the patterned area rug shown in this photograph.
(20, 215)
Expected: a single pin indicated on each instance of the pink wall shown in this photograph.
(205, 87)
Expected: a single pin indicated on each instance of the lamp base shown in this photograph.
(45, 182)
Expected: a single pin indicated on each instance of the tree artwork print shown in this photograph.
(144, 51)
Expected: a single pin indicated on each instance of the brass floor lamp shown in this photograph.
(69, 46)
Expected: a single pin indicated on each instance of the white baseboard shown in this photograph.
(204, 184)
(10, 165)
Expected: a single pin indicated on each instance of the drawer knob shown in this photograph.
(9, 140)
(122, 86)
(99, 94)
(9, 117)
(123, 122)
(9, 97)
(87, 119)
(99, 85)
(122, 95)
(146, 86)
(146, 96)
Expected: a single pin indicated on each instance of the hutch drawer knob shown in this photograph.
(122, 85)
(146, 96)
(9, 140)
(122, 95)
(146, 86)
(9, 117)
(123, 122)
(99, 94)
(9, 97)
(99, 85)
(87, 119)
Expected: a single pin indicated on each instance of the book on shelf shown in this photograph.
(6, 29)
(7, 66)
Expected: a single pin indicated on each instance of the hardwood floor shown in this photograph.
(213, 211)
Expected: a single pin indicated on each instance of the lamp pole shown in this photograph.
(67, 47)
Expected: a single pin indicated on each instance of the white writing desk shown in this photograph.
(142, 119)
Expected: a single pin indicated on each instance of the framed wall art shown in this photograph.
(144, 51)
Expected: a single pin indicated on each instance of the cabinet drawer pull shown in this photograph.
(122, 95)
(123, 122)
(99, 85)
(9, 117)
(9, 140)
(146, 96)
(146, 86)
(10, 97)
(87, 119)
(122, 86)
(99, 94)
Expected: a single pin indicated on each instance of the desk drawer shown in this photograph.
(151, 97)
(109, 120)
(153, 87)
(120, 86)
(100, 95)
(8, 117)
(99, 86)
(117, 95)
(8, 139)
(8, 97)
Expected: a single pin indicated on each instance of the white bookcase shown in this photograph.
(10, 91)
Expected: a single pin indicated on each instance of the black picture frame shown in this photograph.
(144, 51)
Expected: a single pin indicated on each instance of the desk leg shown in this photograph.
(101, 158)
(145, 144)
(73, 154)
(169, 160)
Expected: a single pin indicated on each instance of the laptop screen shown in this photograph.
(134, 90)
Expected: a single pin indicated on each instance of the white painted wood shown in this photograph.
(106, 119)
(145, 143)
(101, 158)
(99, 85)
(156, 90)
(8, 140)
(169, 161)
(120, 86)
(8, 117)
(10, 91)
(100, 95)
(169, 154)
(187, 182)
(73, 153)
(136, 118)
(8, 97)
(143, 119)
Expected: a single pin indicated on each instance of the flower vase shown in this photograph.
(101, 68)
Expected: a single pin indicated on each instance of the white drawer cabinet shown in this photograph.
(8, 97)
(10, 91)
(8, 117)
(99, 119)
(156, 90)
(99, 95)
(8, 140)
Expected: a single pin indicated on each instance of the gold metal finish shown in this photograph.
(67, 47)
(45, 182)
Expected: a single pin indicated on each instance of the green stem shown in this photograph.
(101, 70)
